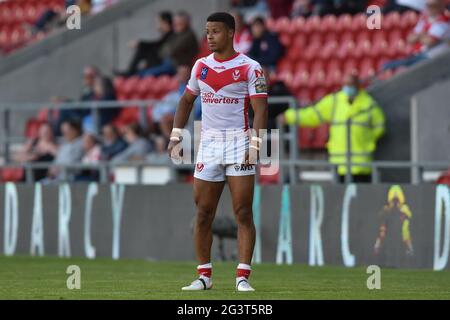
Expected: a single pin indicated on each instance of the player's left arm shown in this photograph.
(257, 89)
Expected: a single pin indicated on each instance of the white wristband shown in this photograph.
(177, 130)
(257, 139)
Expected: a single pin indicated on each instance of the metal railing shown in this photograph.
(290, 164)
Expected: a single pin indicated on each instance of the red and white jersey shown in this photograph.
(225, 88)
(438, 28)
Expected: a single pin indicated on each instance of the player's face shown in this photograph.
(218, 36)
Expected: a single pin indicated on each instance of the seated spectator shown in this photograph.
(164, 110)
(180, 50)
(138, 146)
(52, 18)
(103, 90)
(92, 155)
(266, 47)
(301, 8)
(149, 53)
(70, 151)
(402, 6)
(429, 38)
(112, 143)
(242, 36)
(41, 149)
(90, 73)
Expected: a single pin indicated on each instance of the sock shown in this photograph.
(243, 272)
(205, 271)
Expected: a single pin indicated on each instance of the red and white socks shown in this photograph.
(205, 272)
(243, 272)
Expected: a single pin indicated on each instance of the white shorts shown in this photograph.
(218, 158)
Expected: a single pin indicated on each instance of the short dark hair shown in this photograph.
(223, 17)
(259, 20)
(166, 16)
(74, 124)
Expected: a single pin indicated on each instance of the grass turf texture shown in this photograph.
(45, 278)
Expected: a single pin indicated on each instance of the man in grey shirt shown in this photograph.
(138, 146)
(70, 151)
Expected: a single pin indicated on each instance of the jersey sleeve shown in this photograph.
(439, 30)
(257, 85)
(192, 85)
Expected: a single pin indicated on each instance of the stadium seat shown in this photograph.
(12, 174)
(343, 23)
(444, 178)
(320, 137)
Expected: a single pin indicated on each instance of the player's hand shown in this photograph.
(252, 154)
(175, 149)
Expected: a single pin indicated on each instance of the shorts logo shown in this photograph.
(236, 74)
(243, 167)
(200, 166)
(204, 73)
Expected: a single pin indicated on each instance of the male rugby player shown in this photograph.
(227, 82)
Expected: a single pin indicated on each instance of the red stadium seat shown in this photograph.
(305, 138)
(303, 96)
(444, 178)
(12, 174)
(298, 25)
(328, 50)
(328, 24)
(359, 22)
(344, 23)
(313, 24)
(320, 137)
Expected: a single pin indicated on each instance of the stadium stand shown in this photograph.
(17, 18)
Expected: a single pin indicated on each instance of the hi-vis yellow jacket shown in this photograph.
(360, 123)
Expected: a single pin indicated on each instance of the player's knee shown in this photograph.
(205, 216)
(244, 215)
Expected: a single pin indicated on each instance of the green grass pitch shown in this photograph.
(45, 278)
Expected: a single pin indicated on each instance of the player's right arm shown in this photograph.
(183, 111)
(181, 118)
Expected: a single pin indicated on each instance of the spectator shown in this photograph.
(180, 50)
(242, 35)
(354, 116)
(266, 48)
(41, 149)
(148, 53)
(90, 73)
(103, 90)
(163, 111)
(302, 8)
(112, 144)
(404, 5)
(429, 38)
(70, 151)
(92, 155)
(138, 146)
(52, 18)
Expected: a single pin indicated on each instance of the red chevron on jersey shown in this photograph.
(218, 80)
